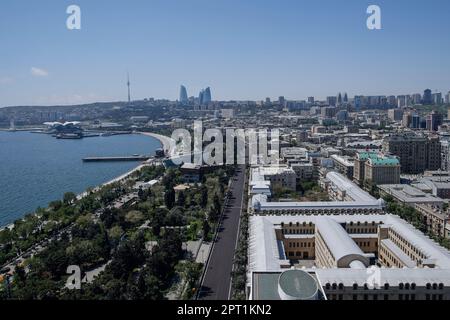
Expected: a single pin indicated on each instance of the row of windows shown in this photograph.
(297, 231)
(386, 254)
(401, 286)
(361, 230)
(405, 245)
(301, 244)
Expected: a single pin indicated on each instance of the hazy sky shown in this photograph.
(242, 49)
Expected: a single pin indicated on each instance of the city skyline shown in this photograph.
(296, 50)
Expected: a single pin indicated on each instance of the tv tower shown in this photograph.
(128, 85)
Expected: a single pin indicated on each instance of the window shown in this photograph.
(355, 286)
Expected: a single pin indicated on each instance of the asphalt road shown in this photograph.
(217, 281)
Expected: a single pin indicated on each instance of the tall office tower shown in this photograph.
(434, 120)
(415, 121)
(339, 99)
(392, 101)
(345, 98)
(417, 153)
(395, 114)
(207, 95)
(201, 96)
(183, 95)
(408, 100)
(281, 101)
(128, 85)
(331, 101)
(401, 101)
(358, 101)
(311, 100)
(447, 98)
(406, 119)
(427, 98)
(437, 98)
(417, 98)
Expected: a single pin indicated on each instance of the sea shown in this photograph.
(36, 169)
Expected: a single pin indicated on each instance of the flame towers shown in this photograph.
(204, 96)
(183, 95)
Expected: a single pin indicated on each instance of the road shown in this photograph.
(217, 281)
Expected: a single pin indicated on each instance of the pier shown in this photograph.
(124, 158)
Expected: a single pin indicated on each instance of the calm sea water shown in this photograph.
(38, 168)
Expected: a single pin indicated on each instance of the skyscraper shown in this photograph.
(183, 95)
(427, 97)
(437, 98)
(434, 120)
(207, 96)
(345, 98)
(200, 97)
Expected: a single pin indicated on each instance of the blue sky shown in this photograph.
(242, 49)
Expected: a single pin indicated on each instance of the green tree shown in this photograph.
(169, 198)
(69, 198)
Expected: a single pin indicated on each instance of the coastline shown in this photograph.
(166, 142)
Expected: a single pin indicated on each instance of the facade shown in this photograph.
(434, 120)
(382, 170)
(434, 218)
(338, 250)
(427, 98)
(348, 197)
(344, 165)
(395, 115)
(416, 153)
(377, 168)
(183, 95)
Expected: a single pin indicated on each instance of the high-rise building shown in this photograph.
(339, 99)
(392, 101)
(395, 114)
(416, 121)
(311, 100)
(345, 98)
(331, 101)
(207, 98)
(434, 120)
(401, 101)
(416, 153)
(358, 101)
(200, 97)
(417, 98)
(183, 95)
(437, 98)
(427, 98)
(447, 98)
